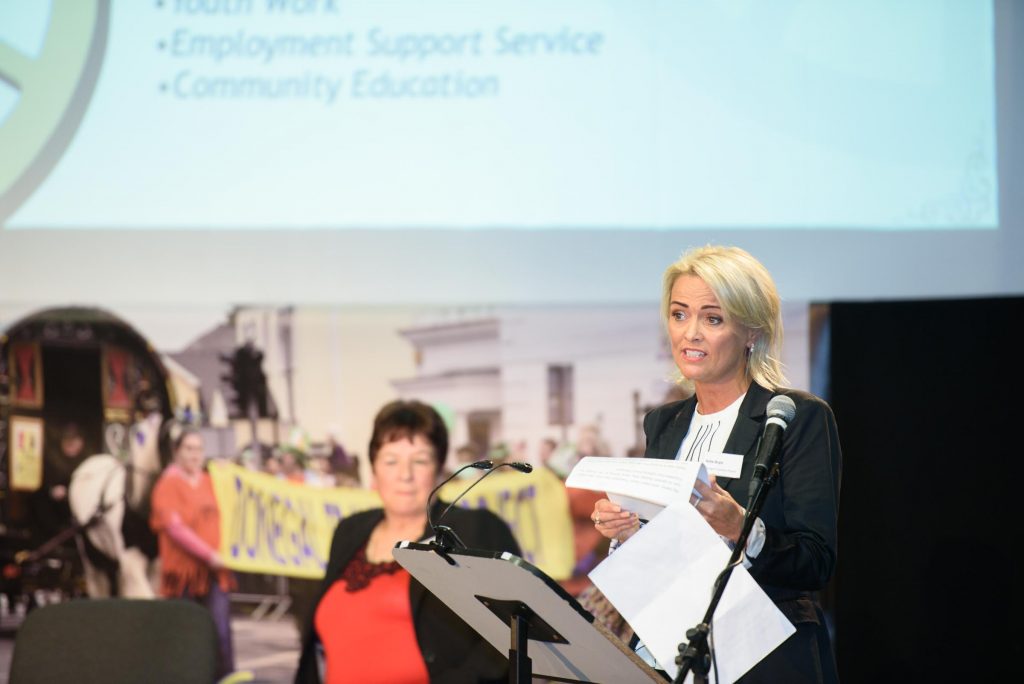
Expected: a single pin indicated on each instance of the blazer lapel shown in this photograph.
(745, 433)
(672, 435)
(742, 440)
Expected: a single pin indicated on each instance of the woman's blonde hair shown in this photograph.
(747, 294)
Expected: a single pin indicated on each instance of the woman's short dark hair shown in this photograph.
(403, 419)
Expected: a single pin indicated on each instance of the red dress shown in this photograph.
(365, 625)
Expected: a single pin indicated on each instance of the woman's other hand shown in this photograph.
(719, 508)
(613, 522)
(216, 562)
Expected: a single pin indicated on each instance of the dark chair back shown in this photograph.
(116, 640)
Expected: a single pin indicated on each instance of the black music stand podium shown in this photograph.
(508, 601)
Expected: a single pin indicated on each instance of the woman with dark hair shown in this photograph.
(186, 520)
(724, 323)
(373, 622)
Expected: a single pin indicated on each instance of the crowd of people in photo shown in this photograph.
(329, 464)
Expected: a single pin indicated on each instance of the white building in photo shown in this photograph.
(526, 373)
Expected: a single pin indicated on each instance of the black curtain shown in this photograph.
(928, 527)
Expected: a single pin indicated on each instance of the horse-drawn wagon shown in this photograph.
(75, 382)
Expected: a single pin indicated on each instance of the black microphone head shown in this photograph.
(482, 465)
(522, 467)
(782, 407)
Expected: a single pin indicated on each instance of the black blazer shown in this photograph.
(801, 509)
(452, 650)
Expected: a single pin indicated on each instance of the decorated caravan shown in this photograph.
(76, 383)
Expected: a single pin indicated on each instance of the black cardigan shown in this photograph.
(452, 650)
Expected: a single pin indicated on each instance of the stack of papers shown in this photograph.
(644, 486)
(661, 579)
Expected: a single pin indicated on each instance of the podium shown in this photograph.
(523, 612)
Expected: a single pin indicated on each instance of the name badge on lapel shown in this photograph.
(723, 465)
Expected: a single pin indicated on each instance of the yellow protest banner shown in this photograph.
(276, 527)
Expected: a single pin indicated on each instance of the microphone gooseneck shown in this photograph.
(444, 536)
(479, 465)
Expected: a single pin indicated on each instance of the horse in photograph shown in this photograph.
(110, 498)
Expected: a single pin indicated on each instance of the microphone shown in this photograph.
(445, 536)
(781, 410)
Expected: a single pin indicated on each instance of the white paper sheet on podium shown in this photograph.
(641, 485)
(661, 581)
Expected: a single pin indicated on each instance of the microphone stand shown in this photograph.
(519, 615)
(693, 655)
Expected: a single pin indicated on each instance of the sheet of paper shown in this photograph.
(661, 581)
(642, 485)
(645, 510)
